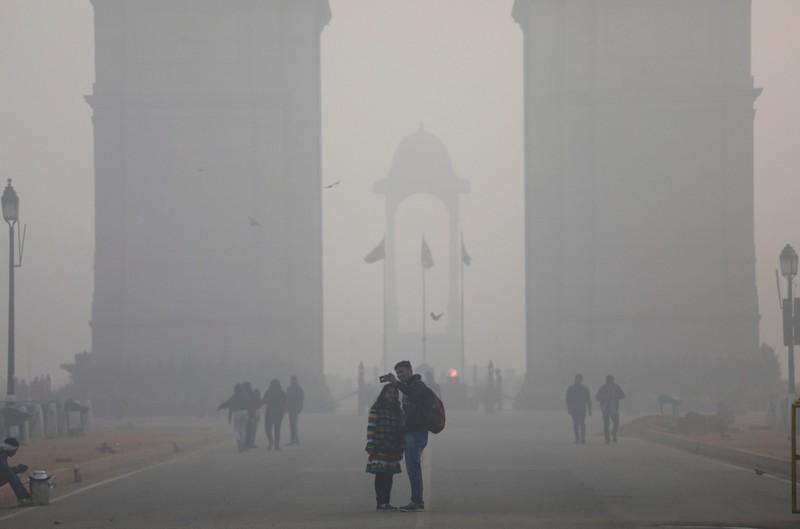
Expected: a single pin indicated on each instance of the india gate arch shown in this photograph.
(640, 254)
(595, 74)
(208, 210)
(422, 166)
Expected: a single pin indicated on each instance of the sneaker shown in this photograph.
(386, 507)
(25, 502)
(413, 506)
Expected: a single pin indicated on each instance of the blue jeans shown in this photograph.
(415, 444)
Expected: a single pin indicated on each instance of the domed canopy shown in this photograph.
(421, 163)
(422, 156)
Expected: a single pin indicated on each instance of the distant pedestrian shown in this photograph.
(609, 396)
(490, 394)
(275, 406)
(498, 388)
(294, 405)
(237, 414)
(579, 402)
(385, 444)
(9, 475)
(253, 416)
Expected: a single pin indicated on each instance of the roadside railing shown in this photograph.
(42, 419)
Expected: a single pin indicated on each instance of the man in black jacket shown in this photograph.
(416, 404)
(8, 474)
(579, 401)
(294, 405)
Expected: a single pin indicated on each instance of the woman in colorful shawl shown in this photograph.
(385, 444)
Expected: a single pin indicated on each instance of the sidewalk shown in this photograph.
(132, 447)
(758, 448)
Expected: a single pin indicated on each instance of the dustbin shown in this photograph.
(40, 487)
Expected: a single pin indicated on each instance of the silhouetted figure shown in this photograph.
(609, 396)
(498, 388)
(237, 413)
(416, 405)
(275, 406)
(294, 405)
(579, 402)
(489, 400)
(385, 444)
(253, 416)
(9, 474)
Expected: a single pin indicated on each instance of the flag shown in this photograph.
(377, 254)
(465, 257)
(427, 258)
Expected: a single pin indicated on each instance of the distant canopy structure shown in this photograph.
(422, 164)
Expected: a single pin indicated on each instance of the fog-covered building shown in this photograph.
(208, 187)
(639, 193)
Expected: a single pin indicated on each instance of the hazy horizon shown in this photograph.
(380, 81)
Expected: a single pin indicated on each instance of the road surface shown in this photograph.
(508, 470)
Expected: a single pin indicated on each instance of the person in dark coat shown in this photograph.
(237, 413)
(416, 403)
(609, 396)
(579, 401)
(385, 444)
(294, 405)
(9, 474)
(275, 406)
(253, 416)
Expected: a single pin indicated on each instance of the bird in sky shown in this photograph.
(436, 317)
(331, 186)
(254, 223)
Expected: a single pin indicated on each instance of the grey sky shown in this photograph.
(387, 66)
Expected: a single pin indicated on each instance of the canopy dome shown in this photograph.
(422, 156)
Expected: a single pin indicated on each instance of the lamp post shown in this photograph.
(10, 203)
(788, 260)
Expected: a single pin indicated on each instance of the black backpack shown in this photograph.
(435, 417)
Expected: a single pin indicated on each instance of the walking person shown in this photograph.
(609, 396)
(253, 416)
(417, 400)
(294, 405)
(385, 444)
(275, 406)
(237, 414)
(579, 401)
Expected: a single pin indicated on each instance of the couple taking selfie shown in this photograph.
(399, 422)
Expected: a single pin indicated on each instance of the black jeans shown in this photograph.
(293, 427)
(610, 425)
(272, 427)
(579, 427)
(383, 487)
(7, 475)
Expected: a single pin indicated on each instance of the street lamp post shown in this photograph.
(788, 260)
(10, 203)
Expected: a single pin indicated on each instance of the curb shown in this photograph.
(108, 466)
(770, 465)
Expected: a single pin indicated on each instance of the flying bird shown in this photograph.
(436, 317)
(331, 186)
(254, 223)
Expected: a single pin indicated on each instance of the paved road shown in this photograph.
(504, 471)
